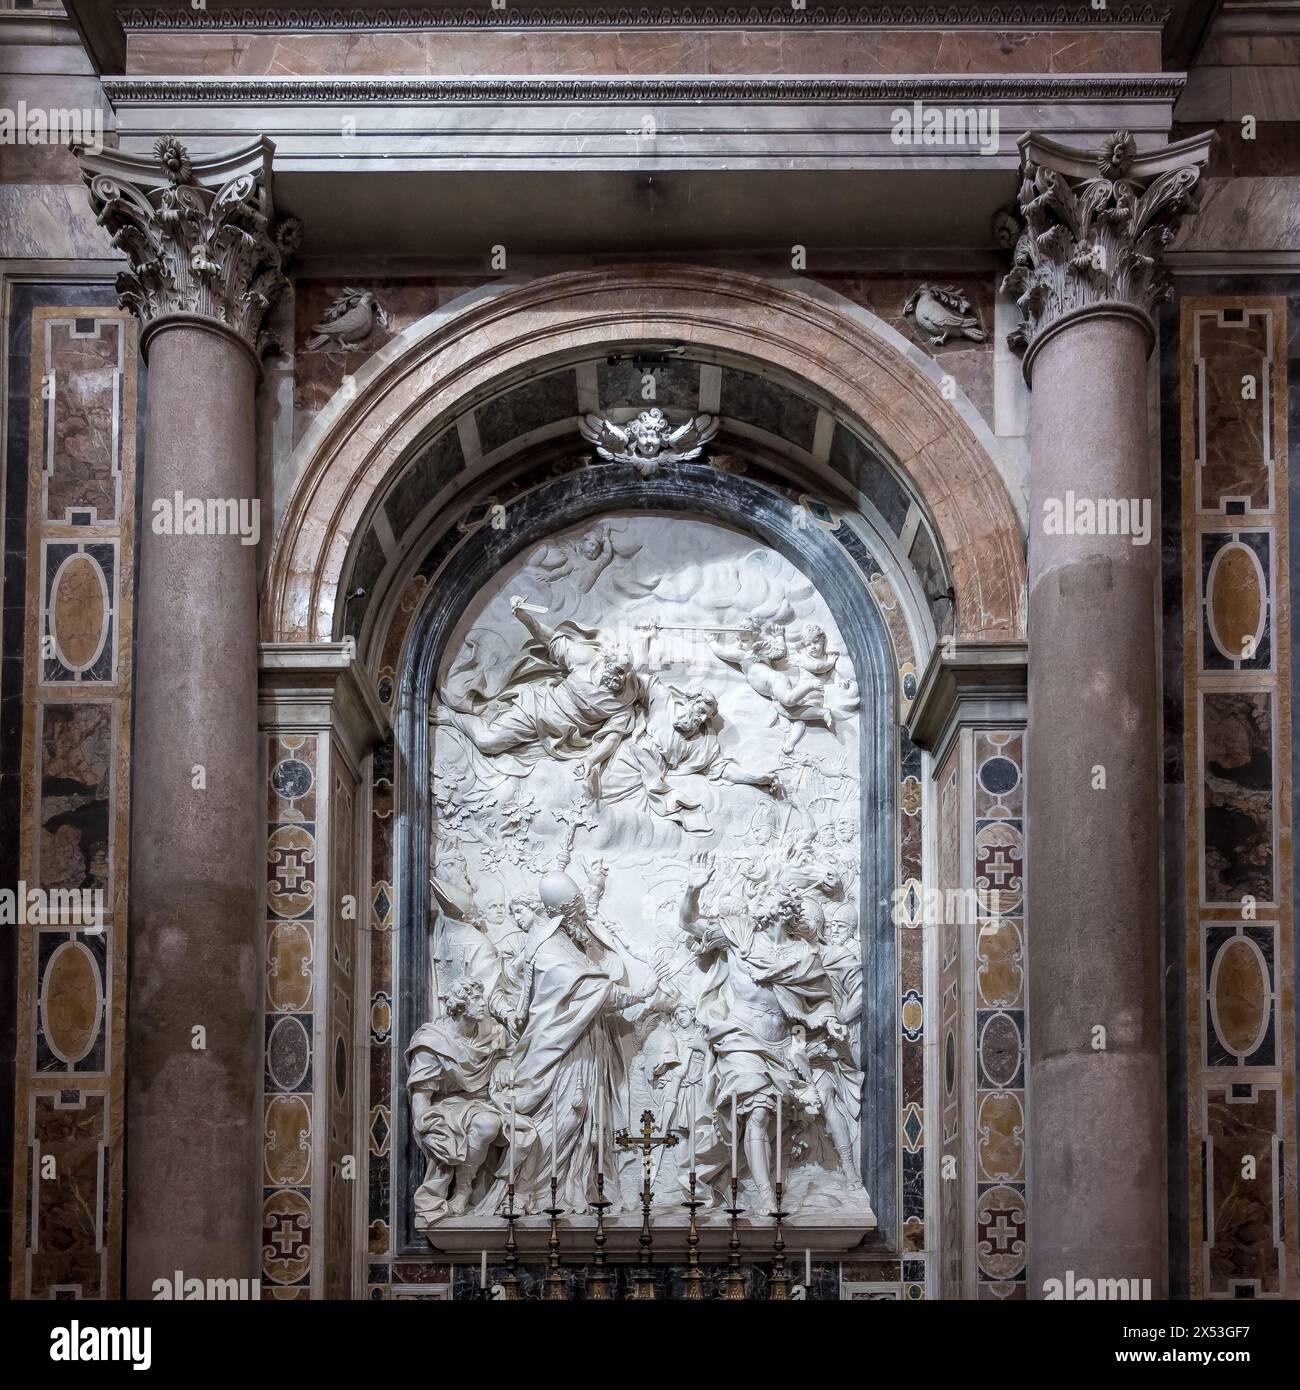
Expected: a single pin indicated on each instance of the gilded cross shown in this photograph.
(646, 1142)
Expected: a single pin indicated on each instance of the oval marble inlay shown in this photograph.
(340, 1067)
(999, 1049)
(72, 1002)
(1239, 996)
(288, 1141)
(288, 1052)
(1235, 606)
(289, 966)
(950, 1063)
(1001, 1137)
(79, 611)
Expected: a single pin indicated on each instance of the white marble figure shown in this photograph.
(800, 698)
(768, 1009)
(456, 1119)
(648, 440)
(572, 696)
(584, 559)
(674, 1059)
(566, 1049)
(613, 734)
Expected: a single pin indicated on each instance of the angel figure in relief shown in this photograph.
(810, 697)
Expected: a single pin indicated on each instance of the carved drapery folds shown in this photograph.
(200, 233)
(1095, 225)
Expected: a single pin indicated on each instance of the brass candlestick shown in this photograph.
(694, 1276)
(599, 1281)
(734, 1288)
(780, 1276)
(553, 1285)
(646, 1141)
(510, 1284)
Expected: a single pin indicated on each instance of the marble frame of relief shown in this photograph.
(839, 566)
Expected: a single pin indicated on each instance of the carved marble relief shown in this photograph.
(646, 821)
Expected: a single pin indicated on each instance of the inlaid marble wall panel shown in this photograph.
(342, 1144)
(72, 864)
(1239, 932)
(949, 879)
(293, 972)
(1000, 1022)
(381, 941)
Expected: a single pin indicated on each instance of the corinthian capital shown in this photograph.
(1095, 227)
(200, 234)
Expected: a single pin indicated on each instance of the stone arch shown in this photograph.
(412, 387)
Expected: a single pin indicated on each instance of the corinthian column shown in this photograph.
(204, 266)
(1086, 276)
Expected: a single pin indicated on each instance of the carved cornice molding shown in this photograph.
(497, 90)
(969, 683)
(200, 234)
(1096, 225)
(883, 16)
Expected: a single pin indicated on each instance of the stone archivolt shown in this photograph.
(1093, 236)
(200, 235)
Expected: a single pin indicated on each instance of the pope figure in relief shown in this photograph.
(566, 1051)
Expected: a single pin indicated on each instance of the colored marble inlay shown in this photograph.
(78, 458)
(288, 1107)
(1233, 351)
(1239, 925)
(1001, 1063)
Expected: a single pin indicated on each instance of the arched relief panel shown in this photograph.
(871, 621)
(414, 388)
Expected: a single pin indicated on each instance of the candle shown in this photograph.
(735, 1137)
(555, 1146)
(778, 1136)
(807, 1268)
(600, 1129)
(482, 1272)
(512, 1139)
(691, 1122)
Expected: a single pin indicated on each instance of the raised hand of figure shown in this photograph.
(837, 1030)
(596, 869)
(700, 870)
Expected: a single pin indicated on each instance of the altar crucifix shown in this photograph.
(646, 1141)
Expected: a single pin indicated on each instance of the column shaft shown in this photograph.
(1097, 1164)
(194, 958)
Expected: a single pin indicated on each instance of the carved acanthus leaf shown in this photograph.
(1096, 239)
(199, 236)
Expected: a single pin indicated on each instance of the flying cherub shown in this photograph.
(585, 558)
(648, 440)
